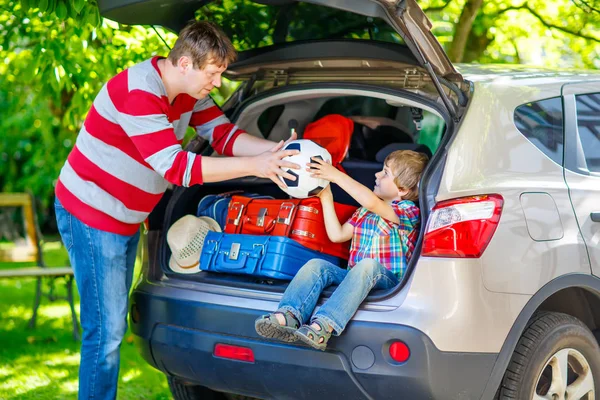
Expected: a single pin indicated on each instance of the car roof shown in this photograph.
(523, 75)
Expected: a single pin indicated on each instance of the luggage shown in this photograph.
(308, 227)
(301, 220)
(216, 206)
(274, 257)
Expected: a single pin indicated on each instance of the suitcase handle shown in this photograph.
(224, 262)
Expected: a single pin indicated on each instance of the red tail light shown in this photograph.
(234, 352)
(462, 227)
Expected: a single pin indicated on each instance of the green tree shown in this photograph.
(53, 67)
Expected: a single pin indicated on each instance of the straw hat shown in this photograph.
(186, 238)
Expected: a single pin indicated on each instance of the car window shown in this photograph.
(588, 125)
(542, 123)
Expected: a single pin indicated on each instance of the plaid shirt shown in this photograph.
(390, 244)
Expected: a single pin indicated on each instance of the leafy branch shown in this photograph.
(547, 24)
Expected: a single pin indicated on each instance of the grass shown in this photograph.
(43, 363)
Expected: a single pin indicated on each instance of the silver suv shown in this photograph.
(501, 299)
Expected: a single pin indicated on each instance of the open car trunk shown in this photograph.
(269, 116)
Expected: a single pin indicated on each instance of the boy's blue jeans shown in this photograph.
(103, 264)
(300, 297)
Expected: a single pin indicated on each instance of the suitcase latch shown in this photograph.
(235, 251)
(285, 213)
(308, 209)
(239, 207)
(260, 221)
(303, 233)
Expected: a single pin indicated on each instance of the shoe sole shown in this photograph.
(271, 330)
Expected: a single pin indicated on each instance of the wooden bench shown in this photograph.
(30, 250)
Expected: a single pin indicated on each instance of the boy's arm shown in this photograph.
(336, 232)
(362, 194)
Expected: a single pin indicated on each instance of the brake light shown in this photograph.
(234, 352)
(463, 227)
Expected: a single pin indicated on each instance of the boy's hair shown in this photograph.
(407, 167)
(203, 42)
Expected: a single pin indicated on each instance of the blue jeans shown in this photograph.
(300, 297)
(103, 264)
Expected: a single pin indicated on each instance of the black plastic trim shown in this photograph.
(583, 281)
(324, 49)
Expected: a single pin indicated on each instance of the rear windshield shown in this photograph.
(251, 25)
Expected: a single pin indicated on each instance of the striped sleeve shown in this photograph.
(212, 125)
(143, 117)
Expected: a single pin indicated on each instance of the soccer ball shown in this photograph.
(304, 186)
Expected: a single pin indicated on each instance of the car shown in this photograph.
(501, 298)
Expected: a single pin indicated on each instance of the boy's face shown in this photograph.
(199, 82)
(385, 188)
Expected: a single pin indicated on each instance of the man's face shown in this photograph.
(199, 82)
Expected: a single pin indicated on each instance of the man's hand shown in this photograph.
(323, 170)
(269, 164)
(293, 136)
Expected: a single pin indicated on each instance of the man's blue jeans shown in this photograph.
(302, 294)
(103, 264)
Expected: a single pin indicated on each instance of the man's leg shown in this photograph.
(103, 266)
(346, 299)
(302, 294)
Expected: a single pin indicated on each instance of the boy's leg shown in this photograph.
(343, 303)
(103, 265)
(302, 294)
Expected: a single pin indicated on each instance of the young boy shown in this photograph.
(383, 231)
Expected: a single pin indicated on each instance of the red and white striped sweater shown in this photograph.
(129, 149)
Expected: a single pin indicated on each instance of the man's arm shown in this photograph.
(225, 137)
(153, 136)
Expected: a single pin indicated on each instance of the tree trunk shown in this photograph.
(462, 30)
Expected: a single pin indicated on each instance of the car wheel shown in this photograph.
(557, 357)
(186, 391)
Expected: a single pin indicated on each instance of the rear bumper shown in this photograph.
(178, 337)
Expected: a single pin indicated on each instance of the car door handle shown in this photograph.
(595, 216)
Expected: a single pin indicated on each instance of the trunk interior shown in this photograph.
(383, 121)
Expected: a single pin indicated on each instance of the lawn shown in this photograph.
(43, 363)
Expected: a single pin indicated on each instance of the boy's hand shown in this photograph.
(269, 164)
(323, 170)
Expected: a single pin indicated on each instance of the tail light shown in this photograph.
(463, 227)
(234, 352)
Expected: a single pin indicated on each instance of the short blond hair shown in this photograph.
(203, 42)
(407, 167)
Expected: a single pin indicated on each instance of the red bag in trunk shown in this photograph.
(301, 220)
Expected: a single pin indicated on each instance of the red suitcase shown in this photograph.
(260, 216)
(308, 227)
(301, 220)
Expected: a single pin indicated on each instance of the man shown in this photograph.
(126, 154)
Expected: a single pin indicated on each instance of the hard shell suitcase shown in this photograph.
(274, 257)
(308, 227)
(216, 206)
(260, 216)
(301, 220)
